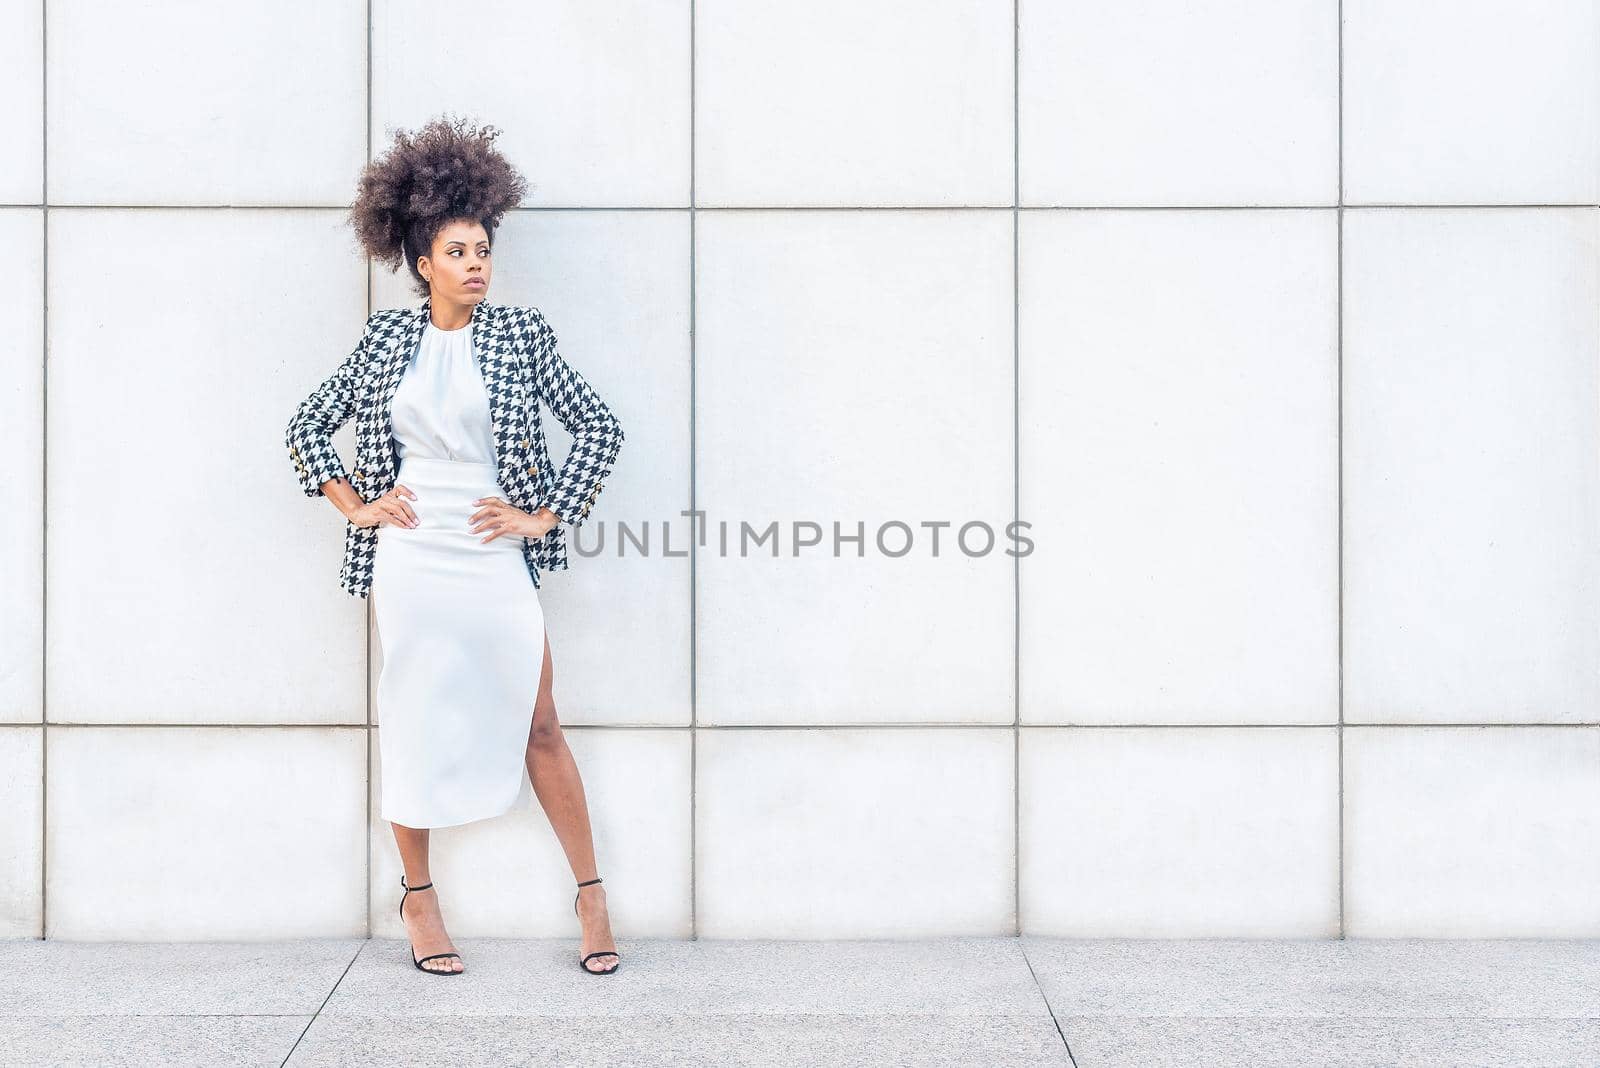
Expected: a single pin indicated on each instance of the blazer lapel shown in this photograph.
(502, 380)
(390, 369)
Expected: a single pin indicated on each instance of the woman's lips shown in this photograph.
(475, 282)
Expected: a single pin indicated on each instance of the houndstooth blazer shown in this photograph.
(516, 350)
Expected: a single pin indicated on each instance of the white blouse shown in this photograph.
(441, 407)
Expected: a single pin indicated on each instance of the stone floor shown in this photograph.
(964, 1001)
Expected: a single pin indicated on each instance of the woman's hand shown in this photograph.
(387, 510)
(501, 517)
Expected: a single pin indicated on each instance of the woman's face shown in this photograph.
(461, 263)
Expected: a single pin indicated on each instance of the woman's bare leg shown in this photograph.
(424, 924)
(553, 774)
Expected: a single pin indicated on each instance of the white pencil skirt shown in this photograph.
(462, 633)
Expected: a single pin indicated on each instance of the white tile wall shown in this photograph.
(22, 475)
(253, 102)
(1472, 832)
(1472, 477)
(1163, 832)
(840, 103)
(1168, 102)
(593, 99)
(179, 554)
(176, 833)
(1179, 423)
(21, 125)
(853, 833)
(853, 368)
(1278, 322)
(1471, 102)
(22, 831)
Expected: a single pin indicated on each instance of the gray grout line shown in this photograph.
(1338, 480)
(916, 725)
(44, 472)
(1016, 475)
(365, 942)
(694, 718)
(566, 209)
(366, 636)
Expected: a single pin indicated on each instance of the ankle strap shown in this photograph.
(424, 886)
(590, 882)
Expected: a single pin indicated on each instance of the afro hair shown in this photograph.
(447, 170)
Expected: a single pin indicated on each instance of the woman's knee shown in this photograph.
(546, 728)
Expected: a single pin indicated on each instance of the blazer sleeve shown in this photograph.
(309, 437)
(596, 433)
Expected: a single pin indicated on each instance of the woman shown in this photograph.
(452, 511)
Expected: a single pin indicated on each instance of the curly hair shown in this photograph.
(447, 170)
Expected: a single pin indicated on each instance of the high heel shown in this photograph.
(584, 962)
(435, 956)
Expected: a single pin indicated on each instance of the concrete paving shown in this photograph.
(960, 1001)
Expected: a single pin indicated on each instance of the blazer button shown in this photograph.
(524, 443)
(533, 470)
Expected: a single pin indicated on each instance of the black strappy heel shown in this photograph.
(584, 963)
(435, 956)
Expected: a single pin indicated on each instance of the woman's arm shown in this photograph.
(309, 436)
(597, 435)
